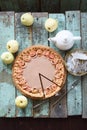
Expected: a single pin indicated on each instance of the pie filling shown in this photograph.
(39, 65)
(38, 72)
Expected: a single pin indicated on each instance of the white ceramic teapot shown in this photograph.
(64, 39)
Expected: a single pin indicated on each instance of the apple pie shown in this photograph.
(39, 72)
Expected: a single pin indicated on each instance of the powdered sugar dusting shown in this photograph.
(76, 62)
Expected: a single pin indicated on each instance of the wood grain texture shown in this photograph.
(23, 36)
(69, 5)
(83, 5)
(40, 36)
(29, 5)
(60, 109)
(7, 98)
(74, 101)
(9, 5)
(20, 6)
(50, 6)
(84, 78)
(61, 25)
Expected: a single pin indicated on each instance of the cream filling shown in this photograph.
(34, 67)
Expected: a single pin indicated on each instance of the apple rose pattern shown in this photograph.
(27, 56)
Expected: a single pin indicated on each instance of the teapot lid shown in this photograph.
(65, 33)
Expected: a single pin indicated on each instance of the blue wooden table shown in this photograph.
(75, 102)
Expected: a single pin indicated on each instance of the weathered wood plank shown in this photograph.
(9, 5)
(83, 5)
(61, 25)
(69, 5)
(28, 5)
(74, 101)
(26, 112)
(21, 6)
(7, 90)
(84, 78)
(50, 6)
(60, 109)
(40, 36)
(23, 36)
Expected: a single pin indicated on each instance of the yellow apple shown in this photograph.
(7, 57)
(27, 19)
(51, 24)
(21, 101)
(12, 46)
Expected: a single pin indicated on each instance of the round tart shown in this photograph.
(39, 72)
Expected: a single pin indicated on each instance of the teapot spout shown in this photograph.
(53, 39)
(77, 38)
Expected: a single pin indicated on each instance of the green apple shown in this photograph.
(21, 101)
(7, 57)
(51, 24)
(12, 46)
(27, 19)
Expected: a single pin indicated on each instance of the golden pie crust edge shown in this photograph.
(41, 95)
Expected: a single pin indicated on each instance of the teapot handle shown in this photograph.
(77, 38)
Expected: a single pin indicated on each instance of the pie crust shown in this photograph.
(39, 72)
